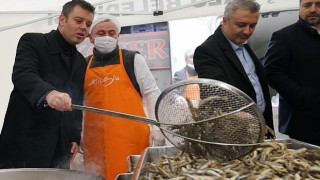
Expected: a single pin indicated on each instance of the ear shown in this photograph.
(224, 20)
(62, 19)
(91, 38)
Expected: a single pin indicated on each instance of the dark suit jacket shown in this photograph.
(33, 136)
(292, 65)
(215, 59)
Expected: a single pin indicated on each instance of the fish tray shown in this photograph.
(153, 154)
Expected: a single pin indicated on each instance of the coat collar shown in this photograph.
(105, 57)
(57, 45)
(305, 26)
(227, 49)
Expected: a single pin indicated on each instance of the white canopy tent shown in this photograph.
(130, 12)
(18, 17)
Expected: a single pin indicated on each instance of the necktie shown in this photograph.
(250, 70)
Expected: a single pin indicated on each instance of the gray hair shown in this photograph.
(234, 5)
(188, 53)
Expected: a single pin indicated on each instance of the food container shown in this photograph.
(124, 176)
(46, 174)
(132, 161)
(153, 154)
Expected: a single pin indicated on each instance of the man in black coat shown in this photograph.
(226, 57)
(40, 129)
(292, 65)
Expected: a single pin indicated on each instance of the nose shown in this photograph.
(247, 30)
(313, 8)
(83, 26)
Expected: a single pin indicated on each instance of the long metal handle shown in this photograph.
(116, 114)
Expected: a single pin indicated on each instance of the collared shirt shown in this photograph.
(250, 70)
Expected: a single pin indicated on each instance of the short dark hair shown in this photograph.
(68, 7)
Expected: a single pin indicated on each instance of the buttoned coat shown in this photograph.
(216, 59)
(292, 64)
(32, 136)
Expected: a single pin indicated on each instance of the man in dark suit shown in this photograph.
(40, 129)
(226, 57)
(292, 65)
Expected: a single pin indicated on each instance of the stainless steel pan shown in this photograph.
(46, 174)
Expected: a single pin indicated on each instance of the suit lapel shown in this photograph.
(229, 52)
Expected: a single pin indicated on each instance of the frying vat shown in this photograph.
(124, 176)
(132, 161)
(154, 154)
(46, 174)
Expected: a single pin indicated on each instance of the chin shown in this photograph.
(313, 21)
(240, 42)
(77, 41)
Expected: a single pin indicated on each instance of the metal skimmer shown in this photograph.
(205, 117)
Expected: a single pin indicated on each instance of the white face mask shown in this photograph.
(105, 44)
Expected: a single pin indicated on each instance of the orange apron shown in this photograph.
(108, 140)
(192, 91)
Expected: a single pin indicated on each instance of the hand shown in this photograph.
(243, 115)
(59, 101)
(181, 102)
(270, 133)
(156, 138)
(74, 150)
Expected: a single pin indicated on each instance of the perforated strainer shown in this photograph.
(216, 120)
(205, 117)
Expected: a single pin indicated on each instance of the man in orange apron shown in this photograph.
(118, 80)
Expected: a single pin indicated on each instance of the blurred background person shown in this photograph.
(292, 69)
(118, 80)
(188, 72)
(40, 129)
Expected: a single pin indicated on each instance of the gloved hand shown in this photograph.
(181, 102)
(59, 101)
(156, 138)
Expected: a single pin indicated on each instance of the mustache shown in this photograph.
(313, 14)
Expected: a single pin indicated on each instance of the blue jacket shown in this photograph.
(182, 74)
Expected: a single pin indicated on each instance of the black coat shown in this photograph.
(215, 59)
(35, 136)
(292, 65)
